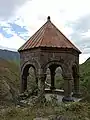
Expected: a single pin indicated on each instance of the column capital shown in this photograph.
(42, 76)
(68, 76)
(77, 75)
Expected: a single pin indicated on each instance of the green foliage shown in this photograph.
(54, 100)
(59, 82)
(85, 75)
(71, 111)
(9, 81)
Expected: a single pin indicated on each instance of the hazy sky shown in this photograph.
(19, 19)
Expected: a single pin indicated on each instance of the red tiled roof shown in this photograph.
(48, 36)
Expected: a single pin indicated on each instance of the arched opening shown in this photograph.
(48, 79)
(54, 76)
(59, 81)
(29, 79)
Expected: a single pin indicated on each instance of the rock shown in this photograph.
(52, 117)
(55, 117)
(61, 118)
(23, 101)
(40, 118)
(86, 118)
(18, 106)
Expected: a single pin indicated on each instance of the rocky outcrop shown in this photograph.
(52, 117)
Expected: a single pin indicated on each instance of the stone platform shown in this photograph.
(58, 93)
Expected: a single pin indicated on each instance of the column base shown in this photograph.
(52, 88)
(78, 95)
(67, 99)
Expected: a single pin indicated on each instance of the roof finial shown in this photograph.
(48, 18)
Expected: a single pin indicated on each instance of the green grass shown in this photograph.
(85, 75)
(9, 81)
(72, 111)
(10, 71)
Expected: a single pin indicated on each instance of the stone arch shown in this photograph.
(32, 63)
(57, 63)
(25, 73)
(26, 68)
(53, 65)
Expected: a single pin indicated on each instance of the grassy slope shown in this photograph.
(85, 68)
(85, 79)
(85, 74)
(9, 79)
(72, 111)
(10, 70)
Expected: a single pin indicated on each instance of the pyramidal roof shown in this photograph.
(48, 36)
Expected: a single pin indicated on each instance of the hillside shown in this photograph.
(85, 74)
(9, 55)
(85, 67)
(9, 80)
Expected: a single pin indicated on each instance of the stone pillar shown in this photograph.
(68, 88)
(52, 80)
(41, 87)
(36, 78)
(37, 81)
(36, 85)
(76, 92)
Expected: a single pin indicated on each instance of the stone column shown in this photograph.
(52, 80)
(41, 87)
(37, 81)
(76, 92)
(36, 85)
(68, 88)
(36, 78)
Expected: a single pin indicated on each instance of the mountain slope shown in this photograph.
(85, 67)
(9, 55)
(9, 80)
(85, 75)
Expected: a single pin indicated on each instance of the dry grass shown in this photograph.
(72, 111)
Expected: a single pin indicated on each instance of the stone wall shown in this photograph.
(41, 57)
